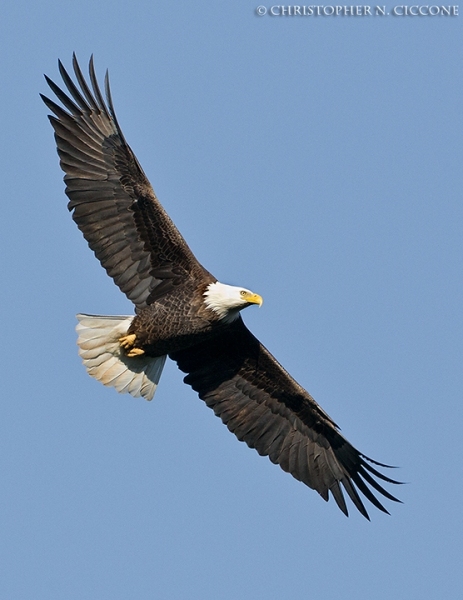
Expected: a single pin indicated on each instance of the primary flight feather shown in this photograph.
(183, 312)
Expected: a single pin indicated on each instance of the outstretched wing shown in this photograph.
(112, 201)
(264, 407)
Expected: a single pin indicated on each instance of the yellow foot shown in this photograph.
(127, 343)
(135, 352)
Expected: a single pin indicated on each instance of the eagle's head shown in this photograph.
(227, 300)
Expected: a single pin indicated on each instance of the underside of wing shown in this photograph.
(112, 201)
(264, 407)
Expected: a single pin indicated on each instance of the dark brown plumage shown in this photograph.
(183, 312)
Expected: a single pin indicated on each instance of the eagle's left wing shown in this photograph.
(265, 407)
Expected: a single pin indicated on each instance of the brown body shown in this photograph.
(174, 322)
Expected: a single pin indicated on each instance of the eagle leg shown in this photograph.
(127, 343)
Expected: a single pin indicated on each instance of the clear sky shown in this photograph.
(315, 160)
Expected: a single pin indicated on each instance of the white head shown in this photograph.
(228, 300)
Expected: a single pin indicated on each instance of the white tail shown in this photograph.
(98, 341)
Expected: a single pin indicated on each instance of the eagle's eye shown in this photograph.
(243, 293)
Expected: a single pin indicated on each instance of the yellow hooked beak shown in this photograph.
(253, 298)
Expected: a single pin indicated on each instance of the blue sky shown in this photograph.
(316, 161)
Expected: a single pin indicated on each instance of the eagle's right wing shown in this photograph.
(111, 198)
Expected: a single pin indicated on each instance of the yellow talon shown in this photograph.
(135, 352)
(127, 343)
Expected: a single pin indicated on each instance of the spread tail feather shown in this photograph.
(104, 359)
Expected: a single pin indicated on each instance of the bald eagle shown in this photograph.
(183, 312)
